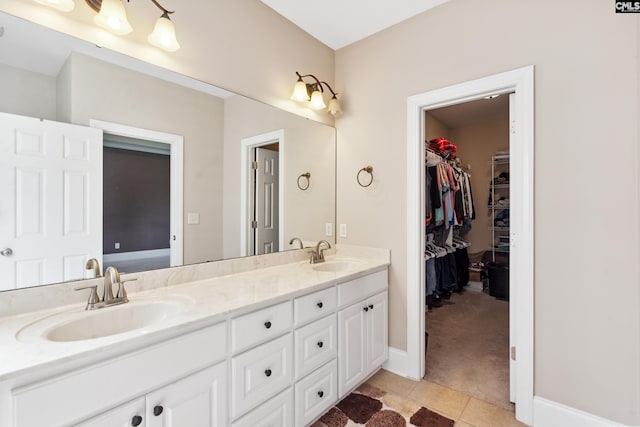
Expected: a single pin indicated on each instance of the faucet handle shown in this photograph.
(122, 292)
(93, 295)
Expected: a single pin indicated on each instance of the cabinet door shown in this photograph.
(377, 331)
(352, 367)
(196, 401)
(127, 415)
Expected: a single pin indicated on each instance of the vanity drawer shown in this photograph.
(314, 306)
(259, 326)
(277, 412)
(316, 393)
(362, 287)
(315, 345)
(258, 374)
(84, 392)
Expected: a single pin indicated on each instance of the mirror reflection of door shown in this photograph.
(264, 199)
(45, 238)
(136, 204)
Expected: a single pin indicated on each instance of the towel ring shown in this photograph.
(306, 177)
(369, 170)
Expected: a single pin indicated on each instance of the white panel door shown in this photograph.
(266, 202)
(377, 331)
(352, 365)
(50, 200)
(199, 400)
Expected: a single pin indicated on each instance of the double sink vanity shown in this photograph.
(264, 341)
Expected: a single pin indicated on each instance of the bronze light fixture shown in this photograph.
(313, 94)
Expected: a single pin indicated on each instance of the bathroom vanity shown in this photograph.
(275, 345)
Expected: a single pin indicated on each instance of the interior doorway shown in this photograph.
(520, 82)
(467, 320)
(262, 177)
(152, 143)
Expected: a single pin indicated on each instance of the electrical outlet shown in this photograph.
(117, 245)
(343, 230)
(328, 229)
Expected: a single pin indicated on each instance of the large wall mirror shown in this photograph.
(104, 156)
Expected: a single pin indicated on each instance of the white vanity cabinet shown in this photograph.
(196, 401)
(282, 365)
(362, 329)
(109, 389)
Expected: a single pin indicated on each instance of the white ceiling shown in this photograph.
(338, 23)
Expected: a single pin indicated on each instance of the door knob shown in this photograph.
(6, 252)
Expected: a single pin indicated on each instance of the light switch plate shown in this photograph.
(328, 229)
(193, 218)
(343, 230)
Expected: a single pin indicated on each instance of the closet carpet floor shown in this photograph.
(468, 347)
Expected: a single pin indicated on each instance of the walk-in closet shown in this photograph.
(466, 253)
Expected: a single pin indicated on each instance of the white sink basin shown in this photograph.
(103, 322)
(338, 265)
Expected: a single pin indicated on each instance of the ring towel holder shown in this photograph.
(360, 178)
(303, 181)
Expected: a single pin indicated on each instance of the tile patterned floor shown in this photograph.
(466, 411)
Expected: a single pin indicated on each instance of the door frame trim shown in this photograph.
(246, 145)
(176, 144)
(521, 82)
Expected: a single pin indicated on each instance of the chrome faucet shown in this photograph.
(299, 241)
(317, 255)
(111, 278)
(93, 265)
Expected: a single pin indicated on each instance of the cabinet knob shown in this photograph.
(136, 420)
(319, 304)
(366, 309)
(371, 306)
(157, 410)
(320, 344)
(267, 325)
(267, 372)
(320, 393)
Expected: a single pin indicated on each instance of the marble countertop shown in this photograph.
(202, 303)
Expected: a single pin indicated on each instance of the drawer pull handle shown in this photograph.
(267, 325)
(267, 372)
(157, 410)
(136, 420)
(371, 306)
(320, 393)
(319, 304)
(320, 344)
(366, 309)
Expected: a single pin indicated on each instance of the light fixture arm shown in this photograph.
(95, 5)
(317, 84)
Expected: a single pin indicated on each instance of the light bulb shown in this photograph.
(164, 34)
(300, 91)
(113, 17)
(334, 106)
(316, 102)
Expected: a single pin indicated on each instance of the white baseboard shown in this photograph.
(397, 362)
(547, 413)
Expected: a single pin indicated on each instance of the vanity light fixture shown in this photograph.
(112, 16)
(313, 93)
(63, 5)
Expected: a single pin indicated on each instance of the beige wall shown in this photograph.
(239, 45)
(586, 75)
(133, 99)
(476, 144)
(27, 93)
(308, 147)
(434, 128)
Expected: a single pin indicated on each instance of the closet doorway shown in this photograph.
(467, 321)
(520, 82)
